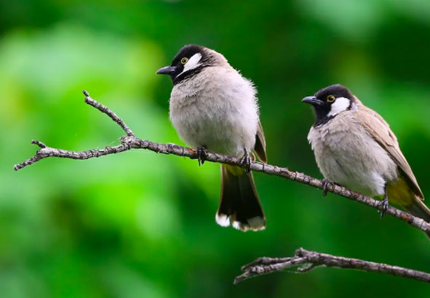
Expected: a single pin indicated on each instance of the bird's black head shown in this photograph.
(330, 101)
(189, 61)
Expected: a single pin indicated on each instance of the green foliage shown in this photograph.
(142, 225)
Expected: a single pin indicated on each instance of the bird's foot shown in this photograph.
(245, 161)
(384, 204)
(326, 184)
(202, 154)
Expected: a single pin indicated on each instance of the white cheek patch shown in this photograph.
(341, 104)
(193, 62)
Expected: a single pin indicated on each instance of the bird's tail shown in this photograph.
(419, 209)
(400, 193)
(239, 201)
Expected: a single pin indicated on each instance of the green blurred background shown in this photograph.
(140, 224)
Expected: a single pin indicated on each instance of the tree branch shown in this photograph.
(306, 261)
(130, 141)
(262, 265)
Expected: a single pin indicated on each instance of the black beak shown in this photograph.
(166, 70)
(312, 100)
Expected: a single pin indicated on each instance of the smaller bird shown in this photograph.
(355, 147)
(213, 107)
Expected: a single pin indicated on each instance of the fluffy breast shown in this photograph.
(347, 155)
(218, 109)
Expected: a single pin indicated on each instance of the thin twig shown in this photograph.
(305, 261)
(107, 111)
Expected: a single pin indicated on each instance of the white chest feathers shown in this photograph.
(216, 108)
(347, 155)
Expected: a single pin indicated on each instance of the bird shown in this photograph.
(214, 108)
(354, 147)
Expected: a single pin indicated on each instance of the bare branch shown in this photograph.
(305, 261)
(131, 142)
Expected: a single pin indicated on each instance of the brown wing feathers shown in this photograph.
(260, 143)
(380, 131)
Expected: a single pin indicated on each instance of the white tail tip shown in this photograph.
(257, 223)
(222, 219)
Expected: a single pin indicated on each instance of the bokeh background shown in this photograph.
(140, 224)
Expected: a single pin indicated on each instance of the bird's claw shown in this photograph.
(384, 204)
(202, 154)
(326, 184)
(245, 161)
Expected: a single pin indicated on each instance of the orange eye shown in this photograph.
(184, 60)
(331, 98)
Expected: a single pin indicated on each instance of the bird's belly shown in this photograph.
(366, 181)
(219, 130)
(355, 161)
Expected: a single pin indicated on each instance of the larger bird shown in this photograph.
(355, 147)
(213, 107)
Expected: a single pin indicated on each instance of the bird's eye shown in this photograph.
(331, 98)
(184, 60)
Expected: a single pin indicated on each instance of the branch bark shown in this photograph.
(306, 261)
(130, 141)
